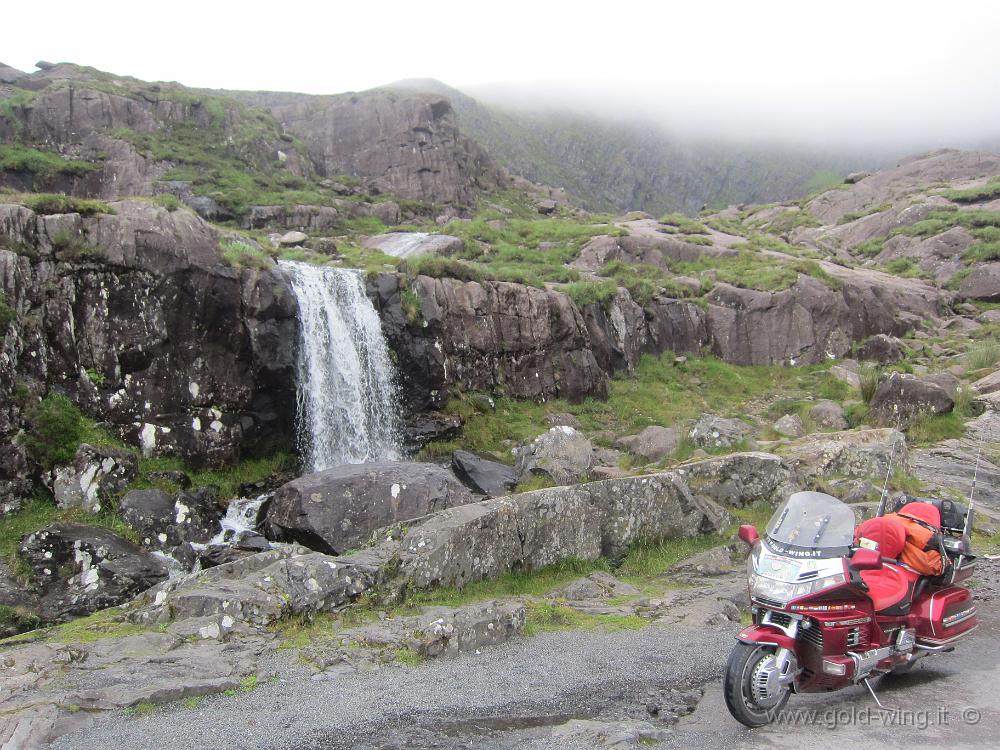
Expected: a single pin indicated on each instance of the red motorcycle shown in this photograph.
(833, 606)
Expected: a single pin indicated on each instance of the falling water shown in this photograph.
(346, 388)
(241, 517)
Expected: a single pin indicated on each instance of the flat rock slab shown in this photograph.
(412, 244)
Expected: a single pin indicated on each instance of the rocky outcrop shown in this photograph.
(338, 509)
(490, 336)
(80, 569)
(402, 143)
(136, 318)
(910, 176)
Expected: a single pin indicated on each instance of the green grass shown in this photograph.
(855, 215)
(657, 393)
(644, 282)
(168, 201)
(41, 163)
(982, 355)
(982, 252)
(108, 623)
(192, 702)
(905, 267)
(869, 248)
(750, 269)
(56, 203)
(249, 683)
(585, 293)
(927, 429)
(548, 617)
(243, 255)
(7, 314)
(651, 559)
(979, 194)
(408, 656)
(55, 430)
(682, 224)
(140, 710)
(869, 375)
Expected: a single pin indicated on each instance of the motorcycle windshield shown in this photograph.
(811, 524)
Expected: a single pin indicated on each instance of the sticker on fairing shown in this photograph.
(868, 544)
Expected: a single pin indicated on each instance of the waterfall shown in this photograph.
(346, 384)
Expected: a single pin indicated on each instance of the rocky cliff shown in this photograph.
(134, 315)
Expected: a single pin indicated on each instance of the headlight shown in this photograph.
(783, 591)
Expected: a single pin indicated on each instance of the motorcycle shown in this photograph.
(832, 608)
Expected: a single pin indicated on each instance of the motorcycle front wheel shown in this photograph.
(747, 696)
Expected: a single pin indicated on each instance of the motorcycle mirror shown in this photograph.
(865, 559)
(748, 534)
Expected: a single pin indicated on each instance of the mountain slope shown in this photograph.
(616, 166)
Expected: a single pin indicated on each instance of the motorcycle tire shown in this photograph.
(740, 700)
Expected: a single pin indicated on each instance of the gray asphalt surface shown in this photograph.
(510, 696)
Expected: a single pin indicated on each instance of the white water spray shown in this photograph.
(346, 382)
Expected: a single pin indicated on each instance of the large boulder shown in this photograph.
(900, 397)
(563, 454)
(712, 432)
(654, 443)
(338, 509)
(881, 348)
(828, 414)
(855, 453)
(533, 530)
(482, 475)
(166, 520)
(740, 479)
(80, 569)
(790, 425)
(983, 283)
(94, 477)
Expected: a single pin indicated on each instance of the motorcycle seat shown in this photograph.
(889, 586)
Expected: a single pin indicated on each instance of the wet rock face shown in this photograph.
(338, 509)
(900, 397)
(165, 520)
(494, 336)
(135, 317)
(80, 569)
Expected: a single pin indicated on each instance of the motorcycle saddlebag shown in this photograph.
(945, 615)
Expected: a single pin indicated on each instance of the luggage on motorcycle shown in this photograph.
(952, 514)
(922, 550)
(943, 615)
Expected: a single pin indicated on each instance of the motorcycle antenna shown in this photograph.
(972, 490)
(885, 484)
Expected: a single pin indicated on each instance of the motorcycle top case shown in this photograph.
(944, 615)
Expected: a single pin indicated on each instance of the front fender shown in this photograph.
(766, 634)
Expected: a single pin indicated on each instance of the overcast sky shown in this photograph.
(816, 71)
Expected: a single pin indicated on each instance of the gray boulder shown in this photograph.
(387, 212)
(338, 509)
(855, 453)
(882, 349)
(563, 454)
(982, 284)
(290, 239)
(900, 397)
(717, 432)
(80, 569)
(790, 425)
(828, 414)
(165, 520)
(95, 475)
(482, 475)
(654, 443)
